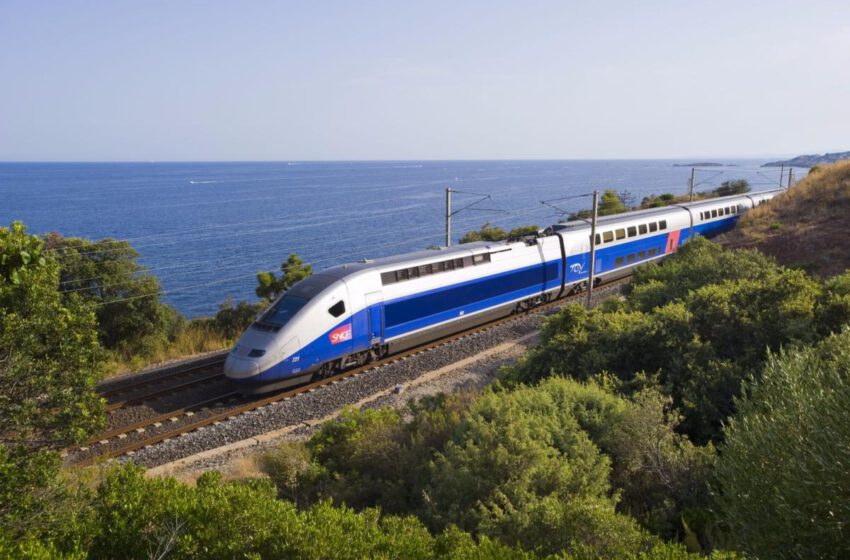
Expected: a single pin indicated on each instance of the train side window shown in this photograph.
(608, 236)
(458, 263)
(413, 272)
(662, 224)
(652, 252)
(618, 261)
(702, 216)
(621, 233)
(481, 259)
(642, 255)
(642, 229)
(631, 258)
(632, 231)
(714, 213)
(425, 270)
(402, 274)
(653, 226)
(467, 261)
(337, 309)
(388, 278)
(598, 239)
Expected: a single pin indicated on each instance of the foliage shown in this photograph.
(611, 203)
(486, 233)
(49, 361)
(657, 201)
(522, 231)
(369, 458)
(783, 477)
(520, 469)
(493, 233)
(131, 319)
(231, 320)
(701, 323)
(293, 270)
(132, 517)
(728, 188)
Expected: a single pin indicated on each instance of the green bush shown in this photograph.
(131, 318)
(700, 324)
(784, 484)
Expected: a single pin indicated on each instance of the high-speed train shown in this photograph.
(353, 313)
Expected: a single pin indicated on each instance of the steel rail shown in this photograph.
(308, 387)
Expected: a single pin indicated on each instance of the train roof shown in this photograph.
(426, 255)
(650, 212)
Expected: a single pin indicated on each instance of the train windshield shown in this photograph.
(283, 310)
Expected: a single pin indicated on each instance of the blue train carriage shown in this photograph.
(354, 313)
(624, 241)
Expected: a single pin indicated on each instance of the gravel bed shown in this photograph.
(172, 401)
(326, 400)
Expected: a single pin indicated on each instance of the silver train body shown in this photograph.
(353, 313)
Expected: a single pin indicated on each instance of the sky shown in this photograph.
(324, 80)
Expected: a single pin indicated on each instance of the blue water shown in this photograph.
(206, 229)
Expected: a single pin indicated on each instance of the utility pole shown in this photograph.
(692, 184)
(790, 175)
(781, 174)
(593, 243)
(449, 217)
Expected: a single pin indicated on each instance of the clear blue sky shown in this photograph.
(253, 80)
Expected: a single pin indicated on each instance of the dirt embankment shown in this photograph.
(807, 227)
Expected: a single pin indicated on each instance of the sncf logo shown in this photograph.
(341, 334)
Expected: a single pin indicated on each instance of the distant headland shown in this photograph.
(703, 164)
(809, 160)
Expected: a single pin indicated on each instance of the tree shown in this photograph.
(783, 480)
(486, 233)
(701, 324)
(611, 203)
(130, 315)
(293, 270)
(728, 188)
(653, 201)
(49, 361)
(520, 469)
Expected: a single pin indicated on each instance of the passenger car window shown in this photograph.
(662, 224)
(653, 226)
(598, 239)
(642, 229)
(632, 231)
(337, 309)
(608, 236)
(621, 234)
(630, 259)
(619, 261)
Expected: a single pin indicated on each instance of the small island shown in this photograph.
(809, 160)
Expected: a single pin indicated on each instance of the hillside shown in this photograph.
(805, 227)
(810, 160)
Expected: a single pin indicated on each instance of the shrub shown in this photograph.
(782, 475)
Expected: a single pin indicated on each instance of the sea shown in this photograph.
(206, 229)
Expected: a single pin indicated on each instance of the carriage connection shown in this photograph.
(351, 314)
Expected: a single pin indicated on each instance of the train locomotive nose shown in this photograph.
(240, 368)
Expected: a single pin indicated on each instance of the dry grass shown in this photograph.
(808, 226)
(191, 341)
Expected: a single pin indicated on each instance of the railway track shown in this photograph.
(229, 404)
(146, 387)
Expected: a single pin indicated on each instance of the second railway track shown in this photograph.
(129, 438)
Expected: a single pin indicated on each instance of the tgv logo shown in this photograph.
(341, 334)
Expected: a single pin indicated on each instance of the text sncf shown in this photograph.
(341, 334)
